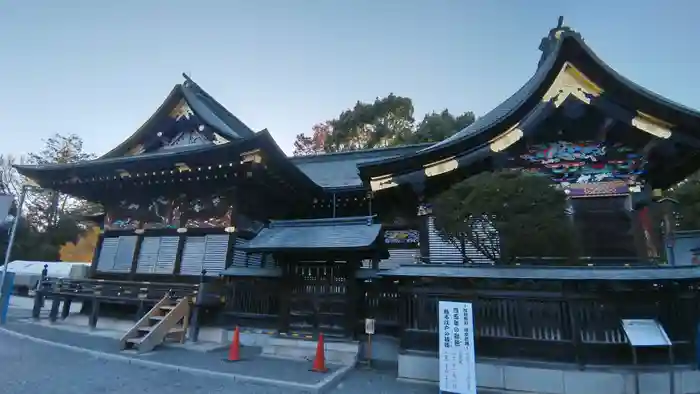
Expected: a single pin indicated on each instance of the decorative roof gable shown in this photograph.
(187, 114)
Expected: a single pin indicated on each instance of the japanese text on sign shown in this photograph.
(457, 359)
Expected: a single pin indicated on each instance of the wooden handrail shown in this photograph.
(162, 328)
(130, 283)
(132, 333)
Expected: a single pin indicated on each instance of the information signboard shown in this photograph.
(369, 326)
(645, 332)
(456, 344)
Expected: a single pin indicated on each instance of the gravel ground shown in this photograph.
(382, 381)
(27, 367)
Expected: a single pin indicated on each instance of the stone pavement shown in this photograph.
(28, 367)
(253, 375)
(292, 375)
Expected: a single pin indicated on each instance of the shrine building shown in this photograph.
(298, 243)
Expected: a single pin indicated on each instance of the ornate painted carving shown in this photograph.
(599, 189)
(123, 215)
(181, 111)
(185, 138)
(218, 139)
(582, 162)
(164, 212)
(401, 237)
(181, 127)
(148, 214)
(136, 150)
(211, 211)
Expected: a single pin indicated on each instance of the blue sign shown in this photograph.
(401, 237)
(5, 295)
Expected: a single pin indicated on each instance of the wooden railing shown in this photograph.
(252, 302)
(537, 319)
(130, 292)
(568, 326)
(96, 294)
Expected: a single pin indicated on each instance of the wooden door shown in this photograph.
(318, 300)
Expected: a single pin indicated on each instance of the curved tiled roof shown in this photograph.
(339, 170)
(569, 47)
(502, 111)
(194, 155)
(202, 104)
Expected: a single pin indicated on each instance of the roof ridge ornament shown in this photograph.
(549, 43)
(188, 80)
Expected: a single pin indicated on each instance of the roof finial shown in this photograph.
(549, 43)
(188, 79)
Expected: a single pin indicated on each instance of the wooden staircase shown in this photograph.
(167, 320)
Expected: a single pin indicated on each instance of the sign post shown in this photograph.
(4, 291)
(6, 202)
(456, 344)
(369, 330)
(5, 294)
(13, 233)
(645, 333)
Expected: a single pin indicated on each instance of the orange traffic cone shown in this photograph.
(320, 360)
(234, 352)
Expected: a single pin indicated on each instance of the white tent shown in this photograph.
(28, 273)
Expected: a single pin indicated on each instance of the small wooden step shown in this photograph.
(135, 341)
(171, 331)
(172, 320)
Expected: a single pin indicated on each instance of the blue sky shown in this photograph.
(99, 68)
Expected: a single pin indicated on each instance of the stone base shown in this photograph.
(250, 337)
(550, 378)
(339, 353)
(384, 348)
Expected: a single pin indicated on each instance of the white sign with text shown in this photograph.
(456, 344)
(645, 332)
(369, 326)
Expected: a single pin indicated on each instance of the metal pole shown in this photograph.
(13, 232)
(333, 204)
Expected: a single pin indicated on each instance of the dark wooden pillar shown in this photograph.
(182, 238)
(371, 300)
(352, 296)
(135, 257)
(195, 321)
(403, 303)
(66, 307)
(423, 212)
(230, 250)
(286, 285)
(96, 255)
(424, 237)
(573, 309)
(94, 313)
(666, 208)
